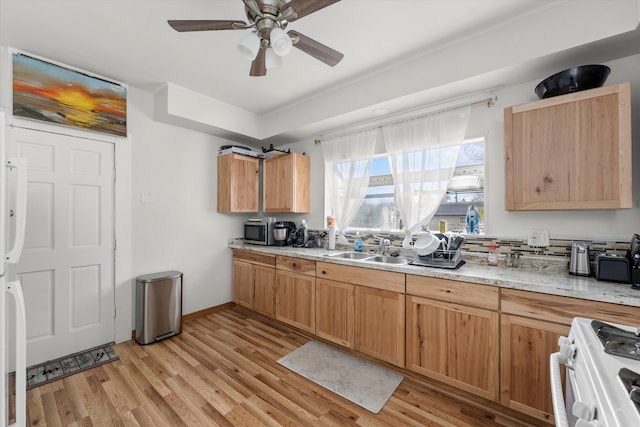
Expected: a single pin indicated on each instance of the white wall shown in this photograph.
(489, 122)
(180, 226)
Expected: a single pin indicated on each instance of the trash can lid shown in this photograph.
(154, 277)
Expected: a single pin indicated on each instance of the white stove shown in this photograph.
(603, 375)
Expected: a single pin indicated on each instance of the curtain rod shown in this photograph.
(438, 107)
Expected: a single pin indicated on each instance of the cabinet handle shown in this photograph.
(294, 265)
(324, 272)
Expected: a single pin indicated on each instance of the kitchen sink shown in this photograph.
(351, 255)
(388, 259)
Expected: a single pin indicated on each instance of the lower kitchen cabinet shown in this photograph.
(531, 324)
(295, 300)
(452, 342)
(526, 347)
(378, 310)
(254, 277)
(264, 293)
(243, 283)
(335, 312)
(380, 324)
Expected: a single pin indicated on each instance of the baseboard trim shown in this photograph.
(197, 314)
(206, 311)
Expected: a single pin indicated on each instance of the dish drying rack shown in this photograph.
(440, 258)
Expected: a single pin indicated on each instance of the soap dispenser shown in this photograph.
(358, 242)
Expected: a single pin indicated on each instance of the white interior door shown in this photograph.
(67, 265)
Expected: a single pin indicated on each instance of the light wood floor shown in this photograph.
(221, 371)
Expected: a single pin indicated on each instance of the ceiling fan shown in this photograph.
(268, 42)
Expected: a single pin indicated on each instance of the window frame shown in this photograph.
(387, 179)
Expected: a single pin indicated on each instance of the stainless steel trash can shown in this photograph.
(158, 306)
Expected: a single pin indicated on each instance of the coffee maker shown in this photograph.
(282, 231)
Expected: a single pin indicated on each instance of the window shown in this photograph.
(466, 188)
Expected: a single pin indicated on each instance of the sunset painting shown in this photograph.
(51, 93)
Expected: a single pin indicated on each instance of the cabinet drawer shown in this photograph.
(296, 265)
(481, 296)
(255, 257)
(386, 280)
(553, 308)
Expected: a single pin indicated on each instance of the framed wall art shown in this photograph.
(56, 94)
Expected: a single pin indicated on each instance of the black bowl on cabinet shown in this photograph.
(574, 79)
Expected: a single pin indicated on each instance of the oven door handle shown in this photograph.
(559, 409)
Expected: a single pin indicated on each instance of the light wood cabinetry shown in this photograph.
(243, 283)
(286, 183)
(254, 281)
(296, 292)
(570, 152)
(378, 307)
(453, 333)
(335, 312)
(380, 324)
(491, 341)
(531, 324)
(238, 183)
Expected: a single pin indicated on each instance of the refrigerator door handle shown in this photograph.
(20, 164)
(15, 289)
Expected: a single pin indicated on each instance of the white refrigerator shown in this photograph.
(13, 204)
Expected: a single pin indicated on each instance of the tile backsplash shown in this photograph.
(558, 249)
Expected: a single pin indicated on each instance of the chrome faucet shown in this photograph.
(383, 244)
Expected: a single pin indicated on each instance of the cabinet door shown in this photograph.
(454, 344)
(238, 183)
(335, 311)
(264, 292)
(525, 348)
(570, 152)
(286, 180)
(380, 321)
(243, 283)
(295, 300)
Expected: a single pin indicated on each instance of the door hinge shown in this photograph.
(115, 311)
(114, 173)
(114, 243)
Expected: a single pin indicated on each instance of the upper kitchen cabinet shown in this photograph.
(238, 183)
(286, 183)
(570, 152)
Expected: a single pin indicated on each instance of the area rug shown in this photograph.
(362, 383)
(68, 365)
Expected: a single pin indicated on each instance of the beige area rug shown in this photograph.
(362, 383)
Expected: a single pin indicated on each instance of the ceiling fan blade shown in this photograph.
(203, 25)
(258, 66)
(316, 49)
(297, 9)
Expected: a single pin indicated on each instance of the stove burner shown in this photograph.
(629, 349)
(631, 382)
(616, 341)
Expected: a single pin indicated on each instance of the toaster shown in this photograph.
(612, 268)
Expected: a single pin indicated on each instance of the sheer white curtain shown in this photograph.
(347, 168)
(423, 153)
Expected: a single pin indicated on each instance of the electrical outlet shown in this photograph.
(538, 238)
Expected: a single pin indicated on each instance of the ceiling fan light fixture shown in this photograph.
(249, 46)
(272, 60)
(280, 42)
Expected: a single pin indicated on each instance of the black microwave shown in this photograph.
(259, 231)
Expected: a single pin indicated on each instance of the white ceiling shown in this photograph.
(398, 53)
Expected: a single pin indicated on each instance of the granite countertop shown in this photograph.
(547, 280)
